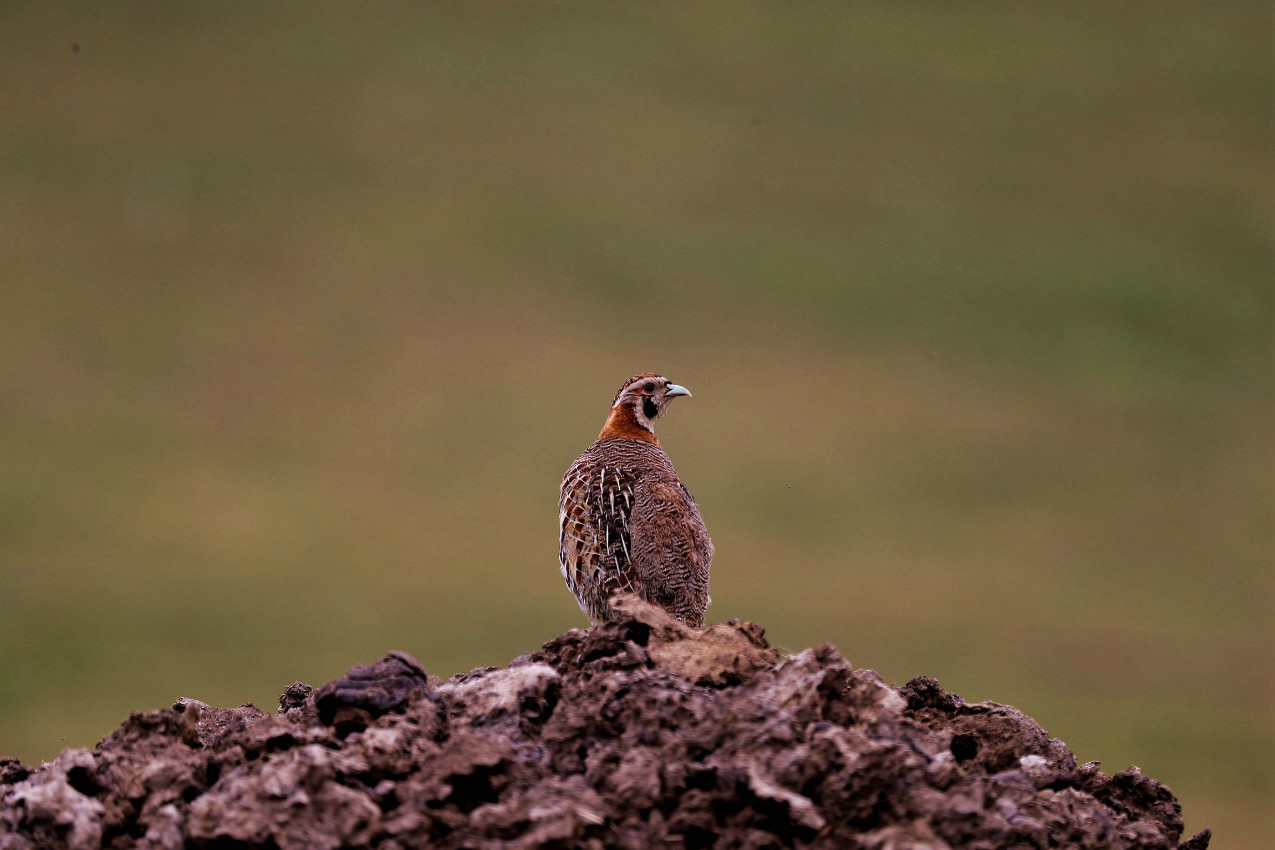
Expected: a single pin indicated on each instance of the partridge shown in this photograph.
(626, 522)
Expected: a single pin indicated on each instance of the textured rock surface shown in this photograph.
(638, 733)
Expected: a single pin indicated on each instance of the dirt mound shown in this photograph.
(640, 733)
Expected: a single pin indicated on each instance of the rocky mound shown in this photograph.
(641, 733)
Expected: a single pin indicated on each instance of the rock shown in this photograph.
(636, 733)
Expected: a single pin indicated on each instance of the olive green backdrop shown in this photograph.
(305, 308)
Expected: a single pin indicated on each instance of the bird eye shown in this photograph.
(648, 388)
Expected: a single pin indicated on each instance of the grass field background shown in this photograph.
(304, 309)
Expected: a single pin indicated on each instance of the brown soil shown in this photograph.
(640, 733)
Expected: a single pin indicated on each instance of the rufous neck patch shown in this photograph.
(623, 424)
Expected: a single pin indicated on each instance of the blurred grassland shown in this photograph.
(305, 308)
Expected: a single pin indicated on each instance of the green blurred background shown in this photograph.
(305, 308)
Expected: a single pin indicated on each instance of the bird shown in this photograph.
(626, 522)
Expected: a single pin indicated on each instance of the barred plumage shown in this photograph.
(626, 522)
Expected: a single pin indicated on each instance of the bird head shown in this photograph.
(641, 400)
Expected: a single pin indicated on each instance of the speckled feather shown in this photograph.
(628, 524)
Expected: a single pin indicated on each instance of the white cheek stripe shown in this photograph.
(640, 415)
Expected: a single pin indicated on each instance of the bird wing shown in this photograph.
(594, 511)
(575, 541)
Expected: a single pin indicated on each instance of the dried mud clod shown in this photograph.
(637, 733)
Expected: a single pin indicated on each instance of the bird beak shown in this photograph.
(675, 390)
